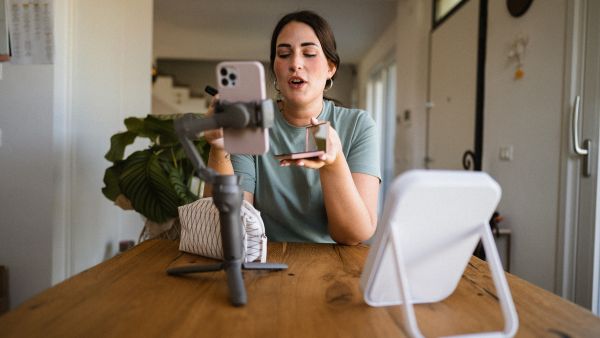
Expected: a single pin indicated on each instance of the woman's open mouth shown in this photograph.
(296, 82)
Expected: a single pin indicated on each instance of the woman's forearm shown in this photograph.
(219, 161)
(351, 206)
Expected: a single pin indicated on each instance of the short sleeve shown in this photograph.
(245, 167)
(363, 150)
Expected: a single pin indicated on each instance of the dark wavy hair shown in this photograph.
(319, 26)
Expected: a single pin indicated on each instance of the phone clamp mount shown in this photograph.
(227, 193)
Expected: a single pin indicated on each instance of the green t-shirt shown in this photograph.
(290, 199)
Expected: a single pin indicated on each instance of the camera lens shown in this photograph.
(224, 82)
(232, 77)
(223, 71)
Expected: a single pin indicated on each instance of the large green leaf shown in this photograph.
(162, 129)
(156, 179)
(145, 183)
(201, 146)
(180, 185)
(136, 125)
(118, 142)
(111, 182)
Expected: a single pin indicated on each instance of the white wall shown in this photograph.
(26, 178)
(525, 114)
(178, 40)
(56, 123)
(110, 81)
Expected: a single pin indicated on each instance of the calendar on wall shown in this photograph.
(31, 33)
(4, 46)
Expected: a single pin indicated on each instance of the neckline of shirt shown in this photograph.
(283, 121)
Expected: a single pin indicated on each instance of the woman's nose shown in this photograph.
(296, 62)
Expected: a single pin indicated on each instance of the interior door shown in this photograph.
(587, 259)
(578, 256)
(453, 88)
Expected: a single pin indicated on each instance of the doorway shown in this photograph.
(456, 79)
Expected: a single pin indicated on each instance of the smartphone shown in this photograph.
(315, 143)
(243, 81)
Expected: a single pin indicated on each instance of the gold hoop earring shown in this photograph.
(275, 85)
(328, 87)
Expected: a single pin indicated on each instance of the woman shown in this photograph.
(334, 197)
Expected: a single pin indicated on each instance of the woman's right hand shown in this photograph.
(215, 136)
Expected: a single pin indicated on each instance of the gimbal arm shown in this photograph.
(227, 115)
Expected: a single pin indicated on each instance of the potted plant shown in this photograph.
(153, 181)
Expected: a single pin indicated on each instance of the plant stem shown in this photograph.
(173, 158)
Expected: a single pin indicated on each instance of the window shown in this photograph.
(381, 103)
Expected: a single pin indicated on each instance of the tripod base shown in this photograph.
(233, 269)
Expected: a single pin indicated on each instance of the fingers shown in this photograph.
(214, 100)
(212, 105)
(306, 163)
(218, 143)
(215, 138)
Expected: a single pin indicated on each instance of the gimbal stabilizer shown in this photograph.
(227, 194)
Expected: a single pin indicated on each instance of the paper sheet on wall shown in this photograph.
(4, 50)
(31, 31)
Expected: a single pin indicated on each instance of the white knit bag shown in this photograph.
(201, 231)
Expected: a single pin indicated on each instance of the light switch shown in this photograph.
(506, 153)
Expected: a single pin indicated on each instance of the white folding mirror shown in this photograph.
(431, 224)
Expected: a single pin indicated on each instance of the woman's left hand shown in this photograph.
(334, 149)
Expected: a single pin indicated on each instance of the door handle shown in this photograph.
(584, 150)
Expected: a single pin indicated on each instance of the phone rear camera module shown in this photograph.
(225, 82)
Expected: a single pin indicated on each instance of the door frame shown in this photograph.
(62, 246)
(472, 159)
(577, 255)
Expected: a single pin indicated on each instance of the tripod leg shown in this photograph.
(264, 266)
(228, 197)
(235, 282)
(181, 270)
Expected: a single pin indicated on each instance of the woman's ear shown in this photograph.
(332, 70)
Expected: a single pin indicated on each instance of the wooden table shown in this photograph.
(318, 296)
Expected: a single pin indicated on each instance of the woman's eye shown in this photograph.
(308, 55)
(283, 55)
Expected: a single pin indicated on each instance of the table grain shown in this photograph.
(130, 295)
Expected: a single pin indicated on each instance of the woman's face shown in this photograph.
(300, 65)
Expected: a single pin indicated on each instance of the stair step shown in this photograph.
(171, 99)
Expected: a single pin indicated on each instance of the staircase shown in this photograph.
(168, 99)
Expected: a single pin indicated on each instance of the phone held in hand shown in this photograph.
(315, 143)
(243, 81)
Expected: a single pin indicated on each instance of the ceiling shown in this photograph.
(229, 29)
